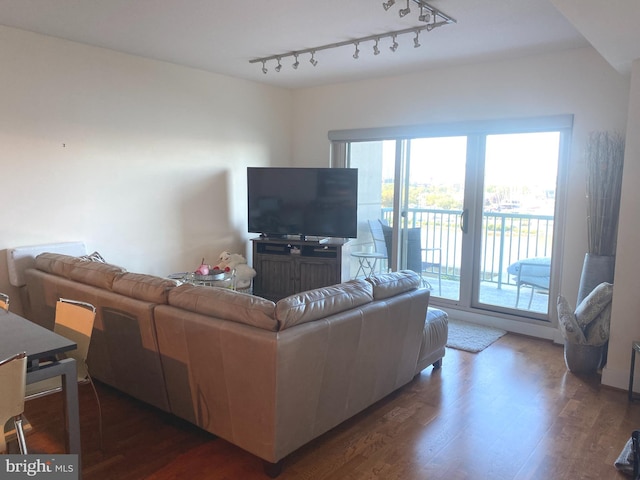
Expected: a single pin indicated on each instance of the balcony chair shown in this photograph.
(13, 377)
(4, 302)
(534, 273)
(368, 261)
(419, 259)
(73, 320)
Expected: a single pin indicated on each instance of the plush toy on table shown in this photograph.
(229, 262)
(203, 269)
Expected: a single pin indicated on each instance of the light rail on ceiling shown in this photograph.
(428, 14)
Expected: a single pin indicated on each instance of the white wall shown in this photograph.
(625, 315)
(577, 82)
(144, 161)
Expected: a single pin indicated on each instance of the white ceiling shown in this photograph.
(222, 36)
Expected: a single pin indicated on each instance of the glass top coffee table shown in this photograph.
(222, 279)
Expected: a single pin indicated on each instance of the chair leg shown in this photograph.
(95, 392)
(531, 298)
(22, 442)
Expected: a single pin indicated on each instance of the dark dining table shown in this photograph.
(17, 334)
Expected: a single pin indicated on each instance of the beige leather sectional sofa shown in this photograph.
(268, 377)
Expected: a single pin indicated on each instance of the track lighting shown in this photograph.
(424, 16)
(405, 11)
(394, 45)
(433, 25)
(427, 13)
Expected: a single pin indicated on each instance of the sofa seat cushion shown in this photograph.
(147, 288)
(322, 302)
(225, 304)
(391, 284)
(434, 338)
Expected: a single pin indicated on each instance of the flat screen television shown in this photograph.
(309, 202)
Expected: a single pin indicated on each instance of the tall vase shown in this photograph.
(595, 270)
(583, 359)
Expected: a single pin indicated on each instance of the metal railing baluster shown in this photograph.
(515, 236)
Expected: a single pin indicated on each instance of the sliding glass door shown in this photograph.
(473, 213)
(412, 191)
(431, 210)
(518, 210)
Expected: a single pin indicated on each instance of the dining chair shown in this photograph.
(13, 377)
(73, 320)
(423, 260)
(420, 260)
(534, 273)
(368, 261)
(4, 302)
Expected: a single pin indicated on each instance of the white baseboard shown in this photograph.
(619, 379)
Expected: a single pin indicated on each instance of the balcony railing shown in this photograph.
(506, 238)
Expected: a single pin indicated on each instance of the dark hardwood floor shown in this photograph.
(512, 411)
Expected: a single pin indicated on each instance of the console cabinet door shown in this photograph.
(316, 273)
(275, 277)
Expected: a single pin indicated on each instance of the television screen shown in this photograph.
(303, 201)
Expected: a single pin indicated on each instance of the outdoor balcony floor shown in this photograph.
(492, 295)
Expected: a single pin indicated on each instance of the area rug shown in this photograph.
(471, 337)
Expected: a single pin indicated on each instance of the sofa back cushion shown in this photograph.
(322, 302)
(97, 274)
(143, 287)
(225, 304)
(56, 263)
(391, 284)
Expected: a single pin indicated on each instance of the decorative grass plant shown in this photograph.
(604, 159)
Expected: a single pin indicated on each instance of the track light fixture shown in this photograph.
(376, 50)
(405, 11)
(424, 16)
(394, 45)
(427, 14)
